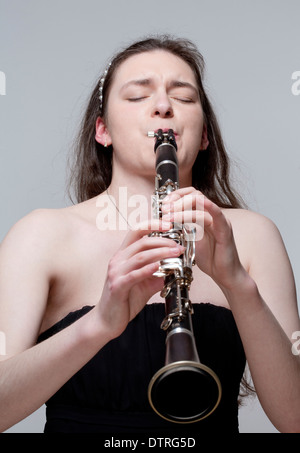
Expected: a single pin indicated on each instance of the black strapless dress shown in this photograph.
(109, 394)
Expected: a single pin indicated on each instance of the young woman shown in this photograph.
(62, 266)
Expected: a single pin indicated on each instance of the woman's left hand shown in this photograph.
(216, 252)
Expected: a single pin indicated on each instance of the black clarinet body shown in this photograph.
(183, 390)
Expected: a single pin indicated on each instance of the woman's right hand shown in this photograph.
(129, 281)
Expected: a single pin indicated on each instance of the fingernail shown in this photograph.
(166, 207)
(177, 249)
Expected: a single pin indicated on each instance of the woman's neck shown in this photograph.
(132, 197)
(140, 184)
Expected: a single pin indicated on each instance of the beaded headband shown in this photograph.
(102, 80)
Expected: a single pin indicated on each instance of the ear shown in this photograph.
(204, 141)
(102, 135)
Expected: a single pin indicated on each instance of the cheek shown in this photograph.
(197, 129)
(119, 119)
(195, 137)
(121, 135)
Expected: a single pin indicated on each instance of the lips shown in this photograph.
(167, 130)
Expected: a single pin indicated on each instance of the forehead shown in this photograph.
(159, 64)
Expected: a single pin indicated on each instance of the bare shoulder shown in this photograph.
(245, 217)
(257, 237)
(27, 267)
(261, 246)
(37, 226)
(260, 235)
(250, 224)
(38, 236)
(50, 234)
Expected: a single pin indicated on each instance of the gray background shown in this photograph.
(52, 52)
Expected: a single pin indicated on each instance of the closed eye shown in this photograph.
(176, 98)
(184, 100)
(136, 99)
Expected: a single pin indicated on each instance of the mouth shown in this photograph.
(165, 130)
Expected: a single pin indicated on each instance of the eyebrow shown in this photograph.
(179, 84)
(148, 81)
(137, 82)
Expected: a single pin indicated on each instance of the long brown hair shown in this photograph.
(92, 167)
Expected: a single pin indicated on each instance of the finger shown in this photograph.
(136, 276)
(145, 243)
(201, 218)
(143, 258)
(191, 201)
(192, 221)
(179, 193)
(121, 284)
(220, 225)
(145, 228)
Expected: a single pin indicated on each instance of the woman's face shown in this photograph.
(150, 91)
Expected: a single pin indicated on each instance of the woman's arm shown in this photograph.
(262, 300)
(266, 314)
(30, 373)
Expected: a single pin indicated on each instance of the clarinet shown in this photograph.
(183, 390)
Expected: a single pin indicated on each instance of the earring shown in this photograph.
(105, 143)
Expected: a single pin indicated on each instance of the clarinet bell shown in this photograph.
(184, 390)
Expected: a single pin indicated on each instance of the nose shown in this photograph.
(162, 106)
